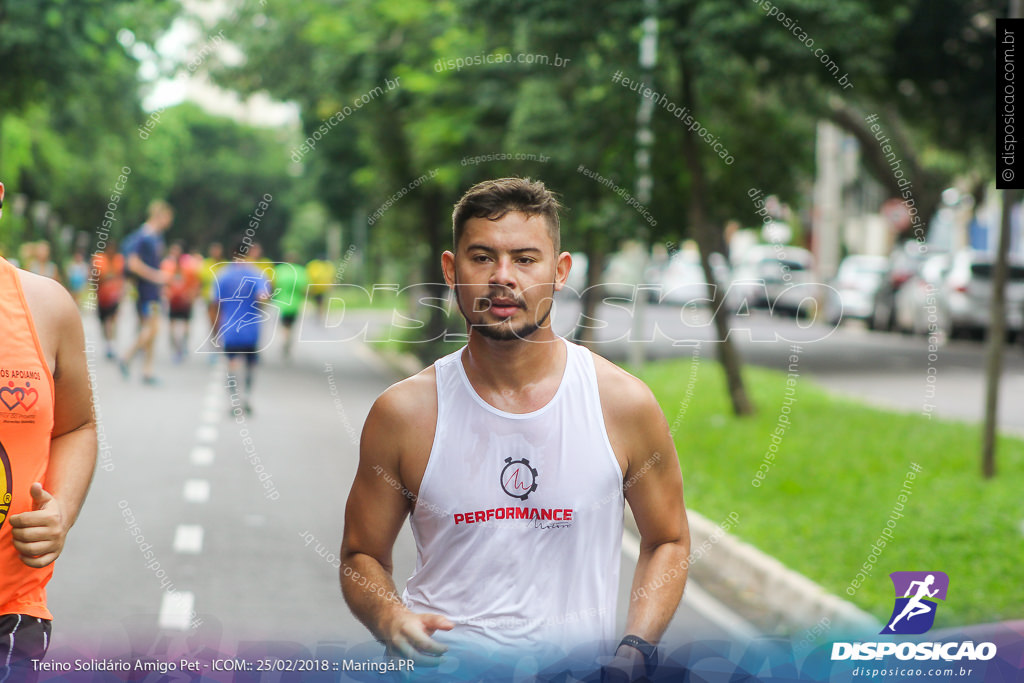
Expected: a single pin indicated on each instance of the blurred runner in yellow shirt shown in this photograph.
(320, 272)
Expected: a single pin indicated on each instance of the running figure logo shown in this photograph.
(242, 315)
(916, 592)
(518, 478)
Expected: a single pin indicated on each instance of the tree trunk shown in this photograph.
(997, 320)
(728, 356)
(996, 339)
(926, 188)
(432, 216)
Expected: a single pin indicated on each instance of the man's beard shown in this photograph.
(501, 331)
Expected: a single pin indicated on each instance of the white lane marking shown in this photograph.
(201, 455)
(176, 610)
(188, 538)
(197, 491)
(699, 599)
(206, 434)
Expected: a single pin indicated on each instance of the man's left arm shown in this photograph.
(39, 535)
(653, 487)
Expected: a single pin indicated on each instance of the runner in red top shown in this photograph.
(182, 289)
(108, 269)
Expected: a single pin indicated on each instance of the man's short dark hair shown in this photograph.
(492, 199)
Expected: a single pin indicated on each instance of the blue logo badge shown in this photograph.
(916, 595)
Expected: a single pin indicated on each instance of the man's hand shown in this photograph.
(39, 535)
(408, 635)
(155, 275)
(627, 666)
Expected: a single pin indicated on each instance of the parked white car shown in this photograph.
(856, 284)
(777, 278)
(682, 279)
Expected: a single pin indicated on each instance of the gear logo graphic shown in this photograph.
(518, 478)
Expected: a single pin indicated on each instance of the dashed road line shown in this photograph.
(188, 538)
(196, 491)
(206, 434)
(176, 610)
(202, 456)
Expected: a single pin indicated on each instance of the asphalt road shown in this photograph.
(209, 530)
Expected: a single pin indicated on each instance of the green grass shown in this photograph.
(834, 484)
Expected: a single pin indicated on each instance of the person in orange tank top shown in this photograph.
(182, 290)
(108, 275)
(47, 453)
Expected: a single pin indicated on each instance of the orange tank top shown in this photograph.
(26, 422)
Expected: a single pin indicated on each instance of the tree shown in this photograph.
(215, 172)
(374, 142)
(69, 103)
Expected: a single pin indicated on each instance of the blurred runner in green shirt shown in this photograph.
(290, 282)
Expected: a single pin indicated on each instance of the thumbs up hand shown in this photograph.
(39, 535)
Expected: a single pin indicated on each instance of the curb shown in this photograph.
(772, 597)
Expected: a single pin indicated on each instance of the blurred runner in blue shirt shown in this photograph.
(143, 253)
(238, 289)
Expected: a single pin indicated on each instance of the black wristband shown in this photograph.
(648, 650)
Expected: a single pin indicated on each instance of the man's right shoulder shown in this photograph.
(408, 405)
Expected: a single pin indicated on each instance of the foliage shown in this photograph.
(217, 172)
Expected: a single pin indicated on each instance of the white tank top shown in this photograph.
(518, 523)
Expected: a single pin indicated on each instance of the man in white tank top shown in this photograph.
(512, 456)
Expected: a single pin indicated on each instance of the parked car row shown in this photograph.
(952, 294)
(762, 277)
(912, 291)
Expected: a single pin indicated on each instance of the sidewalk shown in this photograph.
(959, 394)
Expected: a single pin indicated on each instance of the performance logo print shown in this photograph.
(12, 397)
(916, 592)
(518, 479)
(6, 485)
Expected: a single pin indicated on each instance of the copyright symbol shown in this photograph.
(1007, 174)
